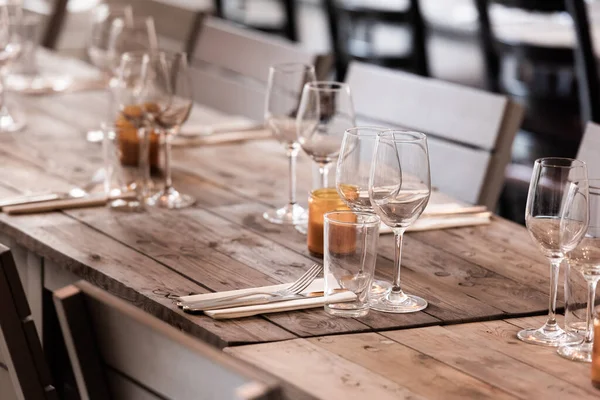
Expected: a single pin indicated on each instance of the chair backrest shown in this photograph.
(470, 132)
(363, 18)
(53, 13)
(286, 28)
(589, 149)
(22, 361)
(230, 66)
(177, 21)
(118, 351)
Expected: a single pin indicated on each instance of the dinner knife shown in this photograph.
(27, 199)
(216, 305)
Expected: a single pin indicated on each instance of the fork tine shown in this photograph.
(309, 279)
(300, 281)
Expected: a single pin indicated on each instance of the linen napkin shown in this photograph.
(444, 216)
(291, 305)
(221, 138)
(231, 124)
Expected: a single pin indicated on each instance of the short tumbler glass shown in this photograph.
(350, 254)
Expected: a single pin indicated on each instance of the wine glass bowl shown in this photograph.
(326, 111)
(284, 91)
(399, 190)
(11, 42)
(551, 186)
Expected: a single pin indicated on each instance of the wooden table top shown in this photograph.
(482, 360)
(222, 243)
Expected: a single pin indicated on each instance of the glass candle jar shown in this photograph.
(320, 202)
(596, 355)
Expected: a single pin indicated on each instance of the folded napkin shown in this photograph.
(448, 215)
(221, 138)
(232, 124)
(290, 305)
(51, 84)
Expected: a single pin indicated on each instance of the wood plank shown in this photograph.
(483, 361)
(325, 375)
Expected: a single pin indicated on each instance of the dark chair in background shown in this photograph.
(557, 85)
(24, 373)
(286, 28)
(53, 14)
(352, 28)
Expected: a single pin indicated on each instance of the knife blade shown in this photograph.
(216, 305)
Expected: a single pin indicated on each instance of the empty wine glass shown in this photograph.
(168, 76)
(548, 192)
(582, 213)
(99, 52)
(352, 176)
(326, 111)
(11, 17)
(281, 108)
(399, 189)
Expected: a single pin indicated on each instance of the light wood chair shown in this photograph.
(24, 374)
(230, 66)
(177, 22)
(589, 149)
(470, 132)
(120, 352)
(52, 13)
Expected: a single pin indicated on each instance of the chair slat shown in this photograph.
(589, 149)
(144, 350)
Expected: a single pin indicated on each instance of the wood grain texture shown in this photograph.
(481, 360)
(222, 243)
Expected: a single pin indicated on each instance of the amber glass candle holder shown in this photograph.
(320, 202)
(596, 355)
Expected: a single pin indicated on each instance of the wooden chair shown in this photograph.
(118, 351)
(177, 22)
(230, 66)
(24, 374)
(589, 150)
(347, 17)
(470, 132)
(53, 13)
(287, 28)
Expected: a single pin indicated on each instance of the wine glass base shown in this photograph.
(170, 199)
(407, 304)
(577, 352)
(12, 120)
(379, 288)
(550, 338)
(291, 214)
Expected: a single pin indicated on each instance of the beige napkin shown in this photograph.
(248, 311)
(444, 216)
(221, 138)
(233, 124)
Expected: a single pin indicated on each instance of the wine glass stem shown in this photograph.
(589, 334)
(168, 180)
(144, 161)
(398, 237)
(292, 154)
(324, 171)
(554, 270)
(2, 90)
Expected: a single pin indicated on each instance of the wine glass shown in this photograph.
(168, 76)
(582, 213)
(135, 34)
(11, 17)
(281, 108)
(103, 17)
(399, 189)
(548, 191)
(326, 111)
(352, 176)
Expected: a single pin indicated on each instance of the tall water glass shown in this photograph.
(399, 189)
(281, 108)
(551, 183)
(11, 17)
(585, 259)
(349, 259)
(352, 177)
(326, 111)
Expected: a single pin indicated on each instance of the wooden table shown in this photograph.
(486, 273)
(222, 243)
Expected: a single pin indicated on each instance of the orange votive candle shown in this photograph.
(596, 355)
(320, 202)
